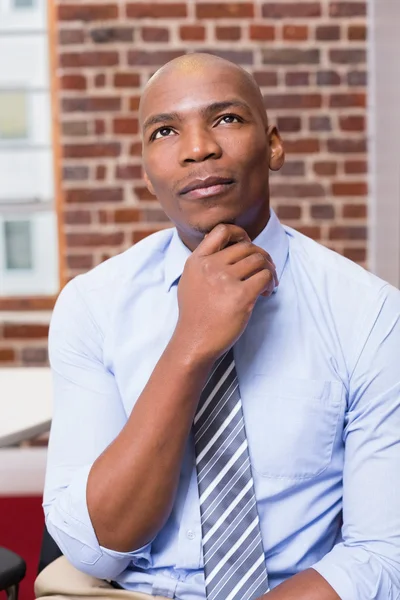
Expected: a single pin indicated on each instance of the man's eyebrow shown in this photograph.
(205, 111)
(160, 118)
(218, 106)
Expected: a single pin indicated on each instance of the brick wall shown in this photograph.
(309, 58)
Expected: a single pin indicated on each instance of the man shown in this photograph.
(217, 435)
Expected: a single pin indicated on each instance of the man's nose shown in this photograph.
(199, 145)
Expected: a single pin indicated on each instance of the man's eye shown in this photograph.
(230, 119)
(162, 132)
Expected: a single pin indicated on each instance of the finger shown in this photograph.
(241, 250)
(219, 238)
(261, 283)
(250, 265)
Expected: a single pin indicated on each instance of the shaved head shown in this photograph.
(183, 66)
(202, 119)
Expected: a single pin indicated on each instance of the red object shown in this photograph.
(21, 530)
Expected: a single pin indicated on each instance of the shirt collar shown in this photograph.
(273, 239)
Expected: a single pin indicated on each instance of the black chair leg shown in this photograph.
(12, 592)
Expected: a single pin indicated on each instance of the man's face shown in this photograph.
(206, 150)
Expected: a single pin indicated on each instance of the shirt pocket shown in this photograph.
(291, 425)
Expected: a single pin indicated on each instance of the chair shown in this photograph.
(49, 550)
(12, 572)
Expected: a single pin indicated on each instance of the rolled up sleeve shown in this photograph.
(366, 564)
(88, 415)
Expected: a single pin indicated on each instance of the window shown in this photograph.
(18, 245)
(13, 115)
(23, 3)
(27, 266)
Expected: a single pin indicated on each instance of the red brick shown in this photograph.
(348, 56)
(288, 212)
(325, 168)
(262, 33)
(71, 36)
(293, 101)
(101, 172)
(111, 35)
(293, 168)
(99, 126)
(329, 33)
(100, 80)
(7, 355)
(345, 146)
(80, 261)
(155, 34)
(288, 124)
(356, 254)
(290, 56)
(91, 104)
(293, 78)
(347, 233)
(311, 231)
(354, 211)
(126, 215)
(34, 357)
(228, 33)
(75, 173)
(75, 128)
(141, 235)
(142, 193)
(73, 82)
(320, 123)
(328, 78)
(357, 33)
(136, 149)
(348, 100)
(192, 33)
(322, 211)
(125, 126)
(156, 10)
(355, 167)
(95, 239)
(155, 58)
(77, 217)
(348, 9)
(231, 10)
(134, 102)
(106, 58)
(297, 190)
(302, 146)
(87, 12)
(97, 150)
(93, 195)
(266, 78)
(295, 32)
(128, 80)
(357, 78)
(128, 172)
(352, 123)
(358, 188)
(21, 331)
(282, 10)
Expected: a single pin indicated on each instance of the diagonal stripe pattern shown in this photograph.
(234, 560)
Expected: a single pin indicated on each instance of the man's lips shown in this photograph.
(202, 188)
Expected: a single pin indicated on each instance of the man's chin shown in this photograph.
(203, 229)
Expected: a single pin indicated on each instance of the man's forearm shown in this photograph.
(132, 485)
(308, 585)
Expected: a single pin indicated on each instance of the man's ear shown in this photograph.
(148, 183)
(277, 153)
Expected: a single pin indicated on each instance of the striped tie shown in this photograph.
(234, 560)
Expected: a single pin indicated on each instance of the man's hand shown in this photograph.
(219, 287)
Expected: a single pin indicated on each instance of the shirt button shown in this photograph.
(191, 534)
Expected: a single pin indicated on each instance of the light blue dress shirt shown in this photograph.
(319, 373)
